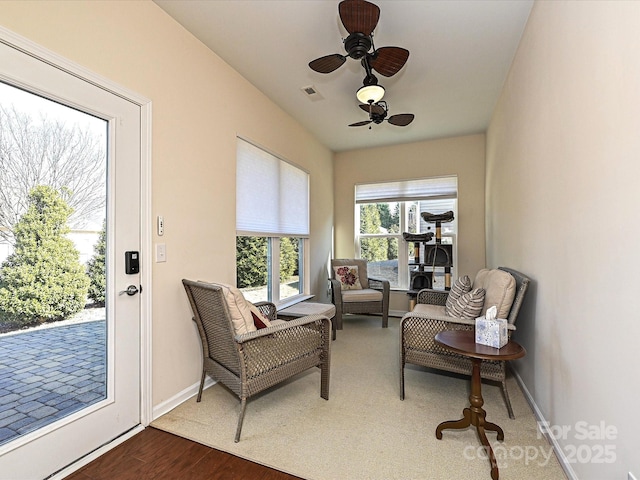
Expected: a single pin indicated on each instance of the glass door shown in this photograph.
(69, 303)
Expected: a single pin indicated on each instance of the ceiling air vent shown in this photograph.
(311, 93)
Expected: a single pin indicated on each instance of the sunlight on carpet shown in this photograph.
(364, 430)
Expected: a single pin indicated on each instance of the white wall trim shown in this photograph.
(146, 238)
(562, 458)
(61, 63)
(180, 397)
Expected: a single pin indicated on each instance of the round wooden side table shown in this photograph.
(464, 343)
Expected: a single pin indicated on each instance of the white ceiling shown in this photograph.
(460, 53)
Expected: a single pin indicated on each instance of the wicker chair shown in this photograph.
(372, 298)
(417, 332)
(254, 361)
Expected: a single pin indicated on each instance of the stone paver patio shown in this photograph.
(48, 374)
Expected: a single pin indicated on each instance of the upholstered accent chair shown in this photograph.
(503, 287)
(353, 291)
(250, 360)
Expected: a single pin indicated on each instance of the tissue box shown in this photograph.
(491, 332)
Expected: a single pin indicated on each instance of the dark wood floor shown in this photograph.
(154, 454)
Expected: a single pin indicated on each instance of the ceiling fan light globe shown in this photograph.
(370, 93)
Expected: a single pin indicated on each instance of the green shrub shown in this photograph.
(251, 261)
(288, 258)
(372, 249)
(97, 271)
(43, 279)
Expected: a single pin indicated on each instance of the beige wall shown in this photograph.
(462, 156)
(562, 168)
(563, 165)
(199, 106)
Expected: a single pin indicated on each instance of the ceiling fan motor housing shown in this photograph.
(357, 45)
(378, 114)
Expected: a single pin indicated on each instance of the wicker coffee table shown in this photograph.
(303, 309)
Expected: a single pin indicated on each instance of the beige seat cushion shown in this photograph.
(500, 290)
(238, 309)
(431, 310)
(364, 295)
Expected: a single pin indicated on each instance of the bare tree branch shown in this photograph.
(49, 152)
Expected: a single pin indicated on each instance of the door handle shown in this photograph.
(131, 290)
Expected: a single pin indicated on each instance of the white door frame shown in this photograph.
(34, 50)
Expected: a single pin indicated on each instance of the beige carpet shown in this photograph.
(364, 431)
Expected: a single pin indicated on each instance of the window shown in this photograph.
(272, 226)
(385, 210)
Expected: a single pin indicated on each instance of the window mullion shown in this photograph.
(274, 270)
(403, 256)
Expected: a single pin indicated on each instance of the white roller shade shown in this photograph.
(272, 196)
(407, 190)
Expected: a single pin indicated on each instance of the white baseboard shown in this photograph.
(179, 398)
(562, 458)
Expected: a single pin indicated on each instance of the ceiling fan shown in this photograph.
(378, 113)
(360, 18)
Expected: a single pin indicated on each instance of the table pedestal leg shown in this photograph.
(475, 415)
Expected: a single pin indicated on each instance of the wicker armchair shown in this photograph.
(254, 361)
(417, 332)
(373, 297)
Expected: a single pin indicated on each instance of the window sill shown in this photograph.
(292, 301)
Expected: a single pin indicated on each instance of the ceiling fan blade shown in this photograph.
(328, 63)
(401, 120)
(359, 16)
(375, 108)
(388, 61)
(360, 124)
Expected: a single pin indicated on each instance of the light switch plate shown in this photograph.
(161, 252)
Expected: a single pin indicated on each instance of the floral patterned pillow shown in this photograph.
(348, 276)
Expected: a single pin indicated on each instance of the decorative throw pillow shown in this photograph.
(501, 290)
(260, 320)
(461, 286)
(348, 276)
(239, 310)
(469, 305)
